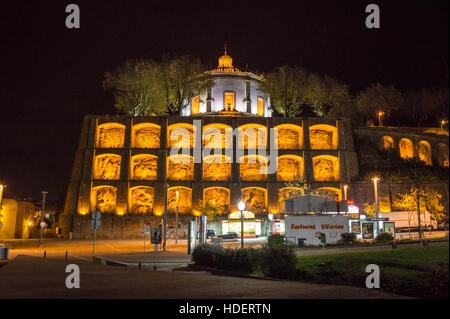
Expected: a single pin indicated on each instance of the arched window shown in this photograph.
(216, 168)
(289, 168)
(443, 154)
(181, 135)
(180, 168)
(184, 199)
(424, 152)
(255, 199)
(323, 137)
(287, 192)
(141, 199)
(326, 168)
(103, 198)
(218, 197)
(252, 136)
(387, 143)
(143, 167)
(110, 135)
(146, 135)
(290, 136)
(253, 168)
(107, 166)
(406, 148)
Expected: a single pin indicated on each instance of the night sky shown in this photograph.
(51, 76)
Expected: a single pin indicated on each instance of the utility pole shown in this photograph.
(41, 225)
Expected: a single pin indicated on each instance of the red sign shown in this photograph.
(147, 222)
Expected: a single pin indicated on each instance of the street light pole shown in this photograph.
(42, 216)
(241, 207)
(380, 118)
(176, 220)
(345, 192)
(375, 189)
(165, 217)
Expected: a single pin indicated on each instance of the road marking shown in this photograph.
(111, 247)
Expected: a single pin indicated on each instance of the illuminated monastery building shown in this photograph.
(123, 164)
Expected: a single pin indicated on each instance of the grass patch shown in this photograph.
(413, 271)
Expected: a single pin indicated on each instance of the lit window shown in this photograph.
(229, 99)
(194, 105)
(260, 106)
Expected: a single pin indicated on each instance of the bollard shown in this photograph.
(140, 265)
(45, 254)
(154, 268)
(67, 255)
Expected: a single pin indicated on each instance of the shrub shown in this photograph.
(278, 261)
(348, 238)
(205, 255)
(275, 240)
(384, 237)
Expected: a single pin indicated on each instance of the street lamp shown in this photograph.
(345, 191)
(176, 219)
(380, 118)
(241, 207)
(443, 122)
(375, 189)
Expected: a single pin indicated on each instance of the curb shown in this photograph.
(156, 265)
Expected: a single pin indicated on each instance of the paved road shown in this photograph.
(32, 277)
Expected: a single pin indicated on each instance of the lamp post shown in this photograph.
(443, 122)
(380, 118)
(42, 217)
(375, 190)
(176, 219)
(241, 207)
(345, 191)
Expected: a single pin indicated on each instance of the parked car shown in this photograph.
(230, 235)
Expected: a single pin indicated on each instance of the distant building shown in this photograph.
(16, 216)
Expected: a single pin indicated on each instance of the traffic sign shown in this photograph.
(377, 219)
(147, 222)
(43, 224)
(96, 215)
(95, 224)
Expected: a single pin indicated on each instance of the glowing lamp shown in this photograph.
(241, 205)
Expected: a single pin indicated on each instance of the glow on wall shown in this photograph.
(103, 198)
(218, 197)
(217, 135)
(181, 135)
(180, 167)
(229, 101)
(107, 166)
(289, 167)
(253, 168)
(216, 168)
(252, 136)
(143, 167)
(290, 136)
(195, 105)
(184, 199)
(141, 199)
(323, 137)
(388, 143)
(260, 106)
(255, 199)
(110, 135)
(145, 135)
(326, 168)
(424, 152)
(406, 148)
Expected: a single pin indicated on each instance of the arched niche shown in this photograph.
(333, 193)
(110, 135)
(146, 135)
(218, 197)
(141, 199)
(217, 135)
(323, 137)
(252, 136)
(424, 152)
(442, 154)
(181, 135)
(253, 168)
(216, 168)
(326, 168)
(387, 143)
(290, 136)
(180, 167)
(288, 192)
(143, 167)
(184, 199)
(107, 166)
(103, 198)
(406, 148)
(255, 199)
(289, 168)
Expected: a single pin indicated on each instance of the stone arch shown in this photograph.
(216, 168)
(323, 137)
(255, 199)
(442, 154)
(107, 166)
(387, 143)
(184, 199)
(110, 135)
(289, 167)
(326, 168)
(333, 193)
(424, 152)
(406, 148)
(253, 168)
(219, 197)
(290, 136)
(145, 135)
(217, 135)
(104, 198)
(143, 167)
(141, 199)
(180, 167)
(287, 192)
(252, 136)
(181, 135)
